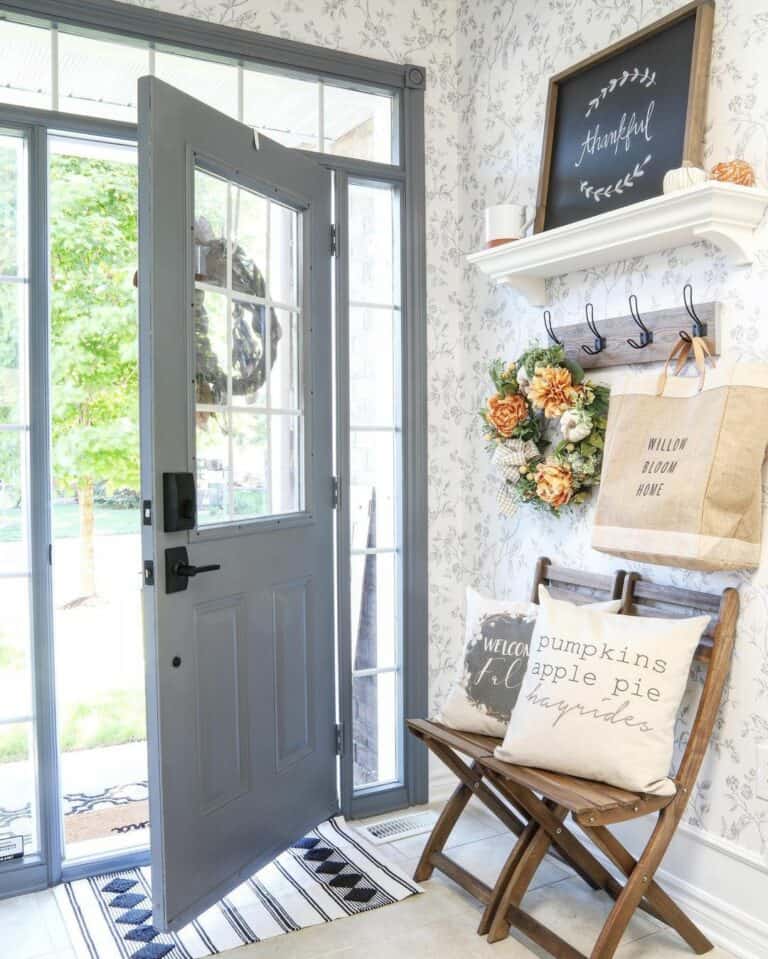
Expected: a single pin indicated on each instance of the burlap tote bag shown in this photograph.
(681, 480)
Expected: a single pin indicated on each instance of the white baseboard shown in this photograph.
(723, 887)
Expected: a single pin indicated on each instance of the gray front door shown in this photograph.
(235, 312)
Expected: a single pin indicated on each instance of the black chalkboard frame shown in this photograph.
(694, 119)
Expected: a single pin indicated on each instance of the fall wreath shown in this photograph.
(540, 390)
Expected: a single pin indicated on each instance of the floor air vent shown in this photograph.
(388, 830)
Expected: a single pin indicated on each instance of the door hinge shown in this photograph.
(334, 240)
(335, 492)
(339, 737)
(146, 512)
(149, 572)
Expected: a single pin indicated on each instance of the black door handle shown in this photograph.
(178, 569)
(184, 569)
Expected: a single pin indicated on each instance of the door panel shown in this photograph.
(293, 705)
(220, 647)
(236, 358)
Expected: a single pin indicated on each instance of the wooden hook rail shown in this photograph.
(665, 326)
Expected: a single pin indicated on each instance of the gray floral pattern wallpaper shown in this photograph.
(488, 63)
(506, 52)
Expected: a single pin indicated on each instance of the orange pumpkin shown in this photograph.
(734, 171)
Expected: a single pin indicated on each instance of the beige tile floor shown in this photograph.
(439, 924)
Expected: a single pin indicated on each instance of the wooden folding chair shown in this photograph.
(548, 798)
(450, 745)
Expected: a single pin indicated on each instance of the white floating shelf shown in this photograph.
(723, 213)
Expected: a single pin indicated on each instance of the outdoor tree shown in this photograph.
(93, 335)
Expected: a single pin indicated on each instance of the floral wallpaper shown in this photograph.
(488, 63)
(506, 52)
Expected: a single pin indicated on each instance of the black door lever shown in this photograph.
(178, 569)
(184, 569)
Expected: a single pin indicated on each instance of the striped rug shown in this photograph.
(327, 875)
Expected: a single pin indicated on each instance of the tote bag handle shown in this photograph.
(681, 351)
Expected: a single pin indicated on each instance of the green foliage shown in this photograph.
(93, 322)
(115, 717)
(118, 716)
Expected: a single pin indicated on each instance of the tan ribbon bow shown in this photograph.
(682, 352)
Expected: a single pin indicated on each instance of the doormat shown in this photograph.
(108, 821)
(327, 875)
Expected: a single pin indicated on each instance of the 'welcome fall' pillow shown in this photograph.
(601, 694)
(493, 666)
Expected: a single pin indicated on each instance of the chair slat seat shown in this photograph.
(591, 803)
(470, 744)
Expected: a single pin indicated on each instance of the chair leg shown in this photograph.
(442, 830)
(518, 883)
(564, 843)
(664, 907)
(637, 885)
(472, 776)
(505, 876)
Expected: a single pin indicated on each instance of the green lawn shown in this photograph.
(116, 717)
(66, 522)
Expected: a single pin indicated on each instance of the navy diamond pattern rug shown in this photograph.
(330, 874)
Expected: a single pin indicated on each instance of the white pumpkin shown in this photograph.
(683, 177)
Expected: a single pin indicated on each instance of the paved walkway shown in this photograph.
(92, 780)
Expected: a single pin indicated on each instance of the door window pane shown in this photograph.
(372, 382)
(249, 239)
(283, 255)
(284, 379)
(207, 80)
(15, 652)
(13, 298)
(13, 205)
(18, 784)
(286, 443)
(284, 108)
(249, 445)
(14, 542)
(96, 506)
(372, 236)
(372, 489)
(374, 611)
(375, 724)
(249, 421)
(375, 481)
(25, 65)
(357, 124)
(97, 77)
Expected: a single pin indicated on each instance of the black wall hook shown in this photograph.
(697, 328)
(599, 340)
(548, 328)
(646, 335)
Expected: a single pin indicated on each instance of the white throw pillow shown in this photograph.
(493, 665)
(601, 695)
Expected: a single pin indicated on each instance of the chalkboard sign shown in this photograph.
(617, 122)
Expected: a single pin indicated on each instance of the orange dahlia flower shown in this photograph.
(552, 390)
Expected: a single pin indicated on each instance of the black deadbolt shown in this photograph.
(179, 502)
(176, 662)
